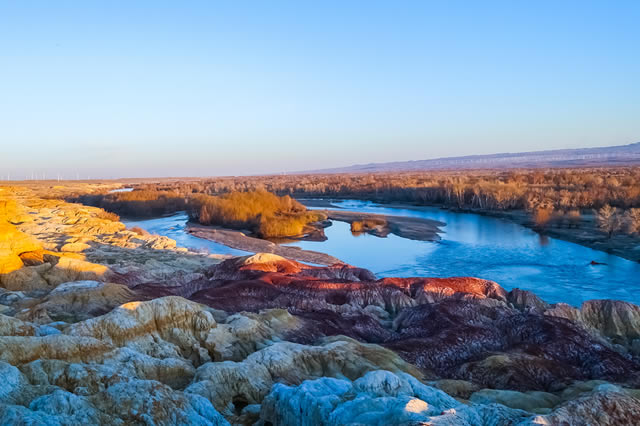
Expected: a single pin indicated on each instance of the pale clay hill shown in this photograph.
(621, 155)
(95, 329)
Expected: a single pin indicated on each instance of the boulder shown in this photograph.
(71, 269)
(79, 300)
(10, 326)
(615, 319)
(9, 262)
(607, 405)
(16, 242)
(526, 300)
(376, 398)
(28, 278)
(74, 247)
(250, 381)
(533, 401)
(458, 388)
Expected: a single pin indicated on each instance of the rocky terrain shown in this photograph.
(102, 325)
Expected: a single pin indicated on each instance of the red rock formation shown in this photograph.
(63, 360)
(462, 328)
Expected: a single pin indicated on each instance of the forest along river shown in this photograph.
(472, 245)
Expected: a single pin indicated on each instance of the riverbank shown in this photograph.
(144, 324)
(418, 229)
(586, 233)
(320, 203)
(240, 241)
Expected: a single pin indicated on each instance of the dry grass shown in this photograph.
(553, 197)
(359, 226)
(103, 214)
(139, 231)
(147, 203)
(262, 212)
(563, 189)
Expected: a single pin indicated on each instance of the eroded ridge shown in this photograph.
(101, 325)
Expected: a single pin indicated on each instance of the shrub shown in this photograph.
(139, 231)
(574, 218)
(264, 213)
(137, 203)
(103, 214)
(608, 219)
(359, 226)
(542, 216)
(632, 219)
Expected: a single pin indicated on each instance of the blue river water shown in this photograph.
(174, 227)
(471, 245)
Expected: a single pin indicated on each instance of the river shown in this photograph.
(174, 227)
(472, 245)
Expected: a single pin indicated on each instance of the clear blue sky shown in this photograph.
(166, 88)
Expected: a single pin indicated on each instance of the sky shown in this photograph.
(106, 89)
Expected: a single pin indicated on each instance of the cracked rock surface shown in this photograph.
(101, 325)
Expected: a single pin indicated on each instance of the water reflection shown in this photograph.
(495, 249)
(174, 228)
(544, 240)
(120, 190)
(472, 245)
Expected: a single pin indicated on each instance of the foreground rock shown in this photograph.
(100, 325)
(204, 366)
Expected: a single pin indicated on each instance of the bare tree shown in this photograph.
(608, 219)
(573, 217)
(632, 219)
(542, 216)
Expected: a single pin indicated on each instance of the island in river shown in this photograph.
(420, 229)
(240, 241)
(103, 325)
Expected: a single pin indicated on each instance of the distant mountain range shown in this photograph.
(605, 156)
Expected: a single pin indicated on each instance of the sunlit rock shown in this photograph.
(77, 300)
(27, 278)
(377, 398)
(71, 269)
(249, 381)
(615, 319)
(101, 325)
(75, 247)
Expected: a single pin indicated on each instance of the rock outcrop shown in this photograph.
(101, 325)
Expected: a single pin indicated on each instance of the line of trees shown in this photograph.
(554, 197)
(141, 203)
(564, 190)
(611, 220)
(262, 213)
